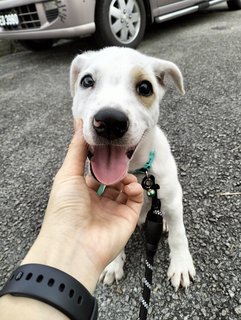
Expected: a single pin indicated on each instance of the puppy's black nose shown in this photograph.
(110, 123)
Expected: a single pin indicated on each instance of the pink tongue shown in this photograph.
(109, 164)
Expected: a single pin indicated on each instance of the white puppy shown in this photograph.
(117, 92)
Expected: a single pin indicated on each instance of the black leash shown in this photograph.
(153, 227)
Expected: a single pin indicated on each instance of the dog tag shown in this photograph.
(151, 193)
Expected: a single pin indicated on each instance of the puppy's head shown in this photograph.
(117, 93)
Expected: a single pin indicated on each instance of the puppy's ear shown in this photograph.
(75, 68)
(163, 68)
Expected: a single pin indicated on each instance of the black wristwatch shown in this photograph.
(53, 287)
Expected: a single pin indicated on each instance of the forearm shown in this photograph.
(20, 308)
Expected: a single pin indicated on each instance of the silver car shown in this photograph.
(37, 23)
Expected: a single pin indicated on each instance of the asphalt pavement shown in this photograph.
(204, 130)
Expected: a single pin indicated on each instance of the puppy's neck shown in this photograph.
(141, 154)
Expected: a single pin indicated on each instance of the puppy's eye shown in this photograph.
(87, 81)
(144, 88)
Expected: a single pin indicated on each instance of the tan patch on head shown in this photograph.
(138, 75)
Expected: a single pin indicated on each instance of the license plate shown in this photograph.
(10, 19)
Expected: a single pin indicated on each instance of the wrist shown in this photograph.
(65, 254)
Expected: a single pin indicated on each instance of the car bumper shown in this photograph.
(71, 32)
(35, 21)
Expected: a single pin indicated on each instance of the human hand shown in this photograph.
(82, 232)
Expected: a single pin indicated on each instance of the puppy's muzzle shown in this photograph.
(110, 123)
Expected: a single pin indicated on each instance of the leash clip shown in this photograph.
(148, 184)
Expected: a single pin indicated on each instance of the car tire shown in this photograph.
(37, 45)
(234, 4)
(120, 23)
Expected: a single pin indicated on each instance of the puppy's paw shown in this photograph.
(114, 270)
(181, 270)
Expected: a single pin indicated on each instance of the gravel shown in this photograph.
(204, 130)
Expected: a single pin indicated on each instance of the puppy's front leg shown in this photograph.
(181, 267)
(114, 271)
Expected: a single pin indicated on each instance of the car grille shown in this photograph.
(28, 17)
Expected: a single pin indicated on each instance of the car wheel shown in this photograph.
(120, 22)
(37, 45)
(234, 4)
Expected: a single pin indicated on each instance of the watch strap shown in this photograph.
(54, 287)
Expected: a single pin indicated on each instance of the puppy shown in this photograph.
(117, 92)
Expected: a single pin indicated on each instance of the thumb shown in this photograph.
(74, 162)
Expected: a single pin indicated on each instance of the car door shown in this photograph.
(166, 2)
(166, 6)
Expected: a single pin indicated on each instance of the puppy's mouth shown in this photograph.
(109, 163)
